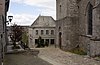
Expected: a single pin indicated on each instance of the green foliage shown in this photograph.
(25, 38)
(99, 56)
(16, 34)
(40, 42)
(78, 51)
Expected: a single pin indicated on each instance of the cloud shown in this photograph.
(22, 19)
(25, 19)
(44, 3)
(44, 7)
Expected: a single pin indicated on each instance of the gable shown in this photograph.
(44, 21)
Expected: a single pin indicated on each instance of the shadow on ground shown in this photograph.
(23, 59)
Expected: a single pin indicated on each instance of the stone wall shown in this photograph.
(2, 27)
(1, 39)
(69, 30)
(94, 48)
(30, 37)
(83, 22)
(66, 8)
(73, 24)
(44, 35)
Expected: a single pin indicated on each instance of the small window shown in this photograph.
(36, 41)
(52, 41)
(60, 8)
(52, 32)
(36, 32)
(90, 21)
(42, 32)
(47, 32)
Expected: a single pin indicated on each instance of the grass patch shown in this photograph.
(99, 56)
(78, 51)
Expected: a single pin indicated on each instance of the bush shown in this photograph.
(40, 42)
(25, 38)
(78, 51)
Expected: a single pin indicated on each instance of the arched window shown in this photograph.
(90, 16)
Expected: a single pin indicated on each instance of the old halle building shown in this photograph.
(44, 27)
(78, 25)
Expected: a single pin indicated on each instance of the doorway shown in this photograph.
(60, 40)
(52, 41)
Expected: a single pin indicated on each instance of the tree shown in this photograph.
(25, 38)
(16, 34)
(40, 42)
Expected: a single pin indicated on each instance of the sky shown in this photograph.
(25, 12)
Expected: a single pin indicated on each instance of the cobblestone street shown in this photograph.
(58, 57)
(48, 55)
(23, 59)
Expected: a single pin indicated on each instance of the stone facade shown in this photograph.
(91, 21)
(67, 33)
(78, 23)
(67, 21)
(43, 26)
(4, 5)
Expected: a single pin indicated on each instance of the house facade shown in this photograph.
(4, 6)
(44, 27)
(78, 25)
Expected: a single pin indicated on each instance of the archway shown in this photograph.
(60, 39)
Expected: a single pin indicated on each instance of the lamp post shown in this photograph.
(10, 18)
(9, 21)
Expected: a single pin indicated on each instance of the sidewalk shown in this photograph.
(56, 56)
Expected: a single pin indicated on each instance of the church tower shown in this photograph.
(66, 8)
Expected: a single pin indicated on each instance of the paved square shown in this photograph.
(23, 59)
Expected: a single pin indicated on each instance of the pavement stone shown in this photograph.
(58, 57)
(23, 59)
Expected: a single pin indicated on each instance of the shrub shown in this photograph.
(40, 42)
(78, 51)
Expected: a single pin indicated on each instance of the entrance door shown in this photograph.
(60, 39)
(52, 41)
(47, 42)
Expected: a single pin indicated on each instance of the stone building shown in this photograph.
(78, 25)
(4, 5)
(44, 27)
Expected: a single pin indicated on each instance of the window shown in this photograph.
(52, 41)
(42, 32)
(90, 19)
(60, 8)
(52, 32)
(47, 32)
(36, 32)
(36, 41)
(47, 41)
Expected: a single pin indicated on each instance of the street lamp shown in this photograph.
(10, 18)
